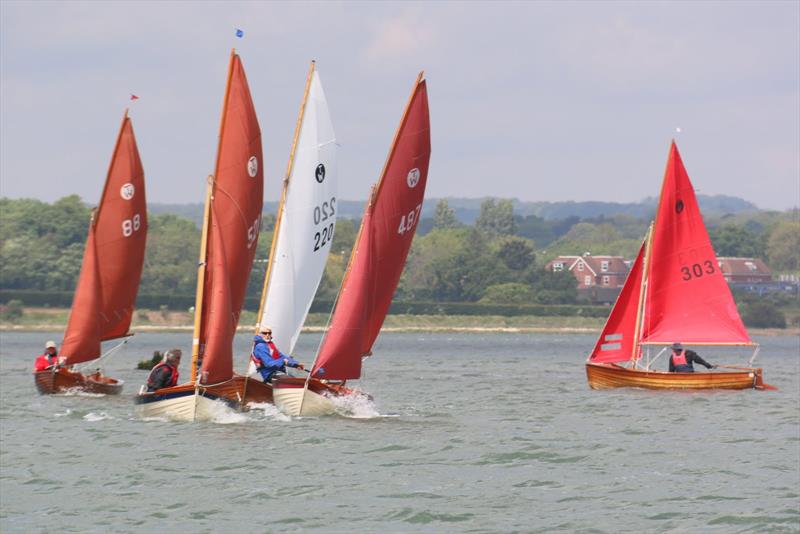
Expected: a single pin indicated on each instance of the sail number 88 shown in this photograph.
(696, 270)
(131, 225)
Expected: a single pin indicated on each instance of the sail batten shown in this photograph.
(382, 245)
(102, 308)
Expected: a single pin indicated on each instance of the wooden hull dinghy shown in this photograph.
(63, 380)
(188, 402)
(674, 293)
(231, 221)
(611, 375)
(103, 304)
(373, 272)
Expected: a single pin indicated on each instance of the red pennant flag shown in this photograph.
(134, 97)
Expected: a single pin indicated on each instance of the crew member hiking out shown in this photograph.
(267, 358)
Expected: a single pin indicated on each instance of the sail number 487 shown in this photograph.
(407, 222)
(131, 225)
(696, 270)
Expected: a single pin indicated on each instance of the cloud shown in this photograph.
(400, 37)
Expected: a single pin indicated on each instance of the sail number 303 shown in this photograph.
(322, 214)
(697, 270)
(129, 226)
(409, 221)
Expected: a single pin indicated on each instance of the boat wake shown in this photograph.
(268, 411)
(356, 405)
(92, 417)
(78, 392)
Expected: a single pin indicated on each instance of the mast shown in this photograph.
(201, 278)
(110, 167)
(642, 291)
(279, 217)
(201, 264)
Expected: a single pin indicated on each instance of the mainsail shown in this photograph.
(103, 304)
(231, 230)
(387, 229)
(687, 299)
(306, 220)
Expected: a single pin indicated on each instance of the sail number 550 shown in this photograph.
(407, 222)
(131, 225)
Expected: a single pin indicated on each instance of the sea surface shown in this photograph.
(466, 433)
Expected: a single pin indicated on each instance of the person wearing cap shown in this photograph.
(267, 358)
(165, 374)
(48, 359)
(681, 360)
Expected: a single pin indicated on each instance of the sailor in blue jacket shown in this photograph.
(268, 359)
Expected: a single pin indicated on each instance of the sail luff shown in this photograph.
(111, 164)
(279, 218)
(648, 245)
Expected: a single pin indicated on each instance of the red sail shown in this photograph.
(616, 342)
(102, 308)
(220, 321)
(237, 199)
(688, 299)
(387, 230)
(82, 337)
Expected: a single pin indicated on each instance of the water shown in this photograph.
(467, 433)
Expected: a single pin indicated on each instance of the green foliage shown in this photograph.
(508, 293)
(737, 241)
(445, 217)
(783, 247)
(516, 253)
(763, 314)
(496, 218)
(170, 262)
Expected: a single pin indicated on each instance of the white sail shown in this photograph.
(306, 224)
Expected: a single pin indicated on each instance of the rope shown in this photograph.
(107, 354)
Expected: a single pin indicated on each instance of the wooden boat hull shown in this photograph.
(606, 376)
(62, 380)
(186, 402)
(294, 399)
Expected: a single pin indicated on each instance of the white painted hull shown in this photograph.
(187, 408)
(291, 401)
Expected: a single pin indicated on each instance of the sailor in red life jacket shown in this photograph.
(267, 358)
(48, 360)
(681, 361)
(165, 374)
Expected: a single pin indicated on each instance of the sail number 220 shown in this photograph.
(696, 270)
(407, 222)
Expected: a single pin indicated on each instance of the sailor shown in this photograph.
(681, 361)
(48, 359)
(267, 358)
(165, 374)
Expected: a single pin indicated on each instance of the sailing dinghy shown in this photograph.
(231, 221)
(102, 307)
(675, 292)
(373, 272)
(305, 221)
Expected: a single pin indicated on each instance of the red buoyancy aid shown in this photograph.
(173, 379)
(679, 359)
(42, 362)
(274, 352)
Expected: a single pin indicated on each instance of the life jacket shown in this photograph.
(679, 359)
(42, 362)
(273, 352)
(173, 379)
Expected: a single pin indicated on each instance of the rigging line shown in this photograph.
(217, 187)
(107, 354)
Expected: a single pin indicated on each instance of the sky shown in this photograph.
(540, 101)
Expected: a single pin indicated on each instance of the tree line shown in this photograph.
(499, 259)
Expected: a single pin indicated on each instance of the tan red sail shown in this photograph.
(688, 299)
(104, 299)
(378, 258)
(617, 341)
(235, 217)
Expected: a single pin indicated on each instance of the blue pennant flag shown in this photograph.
(239, 33)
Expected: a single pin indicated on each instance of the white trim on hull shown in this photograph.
(189, 408)
(290, 401)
